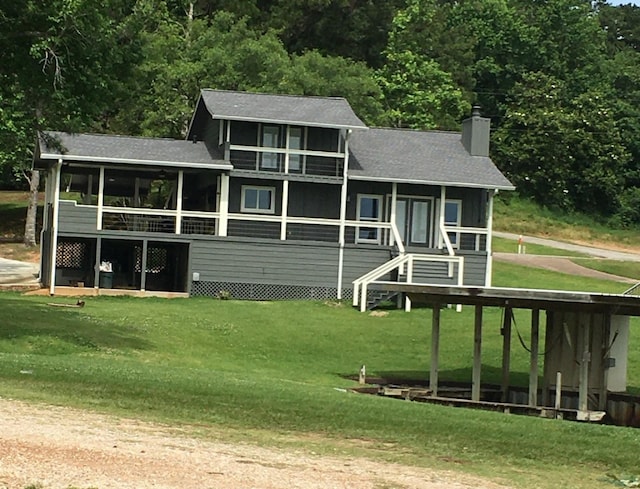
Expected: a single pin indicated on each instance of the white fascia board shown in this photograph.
(131, 161)
(429, 182)
(289, 122)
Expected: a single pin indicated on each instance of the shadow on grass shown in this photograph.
(490, 375)
(52, 330)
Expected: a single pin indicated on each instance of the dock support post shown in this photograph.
(533, 368)
(506, 353)
(583, 388)
(477, 356)
(435, 348)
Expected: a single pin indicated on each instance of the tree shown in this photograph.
(223, 52)
(59, 61)
(563, 152)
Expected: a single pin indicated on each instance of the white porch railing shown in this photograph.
(361, 284)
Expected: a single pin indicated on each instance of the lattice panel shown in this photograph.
(156, 259)
(71, 254)
(263, 292)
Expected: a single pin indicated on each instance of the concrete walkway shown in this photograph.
(14, 273)
(587, 250)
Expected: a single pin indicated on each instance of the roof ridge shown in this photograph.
(291, 95)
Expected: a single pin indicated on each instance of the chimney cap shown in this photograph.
(476, 110)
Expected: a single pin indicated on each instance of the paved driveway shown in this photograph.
(17, 272)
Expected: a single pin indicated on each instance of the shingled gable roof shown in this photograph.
(334, 112)
(125, 149)
(431, 157)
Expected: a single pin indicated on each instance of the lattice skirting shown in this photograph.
(265, 292)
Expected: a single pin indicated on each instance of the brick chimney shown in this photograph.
(475, 133)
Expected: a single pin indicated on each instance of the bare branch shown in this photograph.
(52, 59)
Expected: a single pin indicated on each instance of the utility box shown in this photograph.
(574, 339)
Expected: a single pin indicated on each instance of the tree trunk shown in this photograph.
(32, 209)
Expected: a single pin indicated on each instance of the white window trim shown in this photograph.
(458, 222)
(272, 208)
(380, 200)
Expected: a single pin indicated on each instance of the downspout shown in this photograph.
(343, 212)
(54, 226)
(489, 246)
(443, 197)
(45, 223)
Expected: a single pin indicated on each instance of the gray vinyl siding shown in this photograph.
(359, 260)
(265, 262)
(314, 200)
(475, 265)
(211, 132)
(73, 218)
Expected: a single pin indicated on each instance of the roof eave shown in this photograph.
(133, 161)
(432, 182)
(287, 121)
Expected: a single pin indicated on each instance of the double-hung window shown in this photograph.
(295, 142)
(258, 199)
(369, 209)
(453, 217)
(270, 139)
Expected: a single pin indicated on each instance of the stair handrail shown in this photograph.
(360, 284)
(631, 289)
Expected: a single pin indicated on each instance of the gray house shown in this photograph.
(269, 197)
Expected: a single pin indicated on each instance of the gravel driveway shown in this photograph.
(61, 447)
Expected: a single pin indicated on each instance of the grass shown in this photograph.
(503, 245)
(267, 372)
(615, 267)
(520, 216)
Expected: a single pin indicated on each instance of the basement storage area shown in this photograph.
(124, 264)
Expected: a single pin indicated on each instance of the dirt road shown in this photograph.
(60, 447)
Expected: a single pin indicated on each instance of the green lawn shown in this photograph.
(272, 373)
(503, 245)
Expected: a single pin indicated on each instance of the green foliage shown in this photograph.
(564, 152)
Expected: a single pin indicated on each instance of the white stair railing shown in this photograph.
(361, 284)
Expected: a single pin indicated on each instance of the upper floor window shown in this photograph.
(369, 209)
(296, 142)
(270, 138)
(258, 199)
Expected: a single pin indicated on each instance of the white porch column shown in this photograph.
(489, 269)
(343, 211)
(100, 198)
(224, 204)
(179, 201)
(443, 198)
(285, 190)
(392, 218)
(54, 226)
